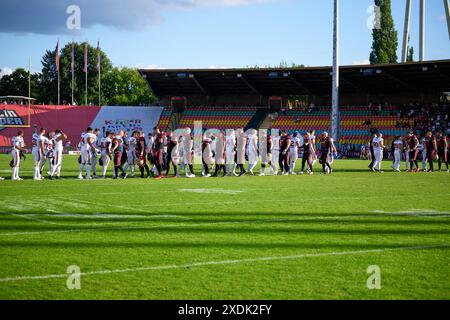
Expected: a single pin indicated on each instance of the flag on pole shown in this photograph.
(98, 56)
(99, 77)
(85, 69)
(57, 56)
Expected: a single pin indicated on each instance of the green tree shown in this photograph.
(50, 77)
(48, 92)
(410, 56)
(385, 39)
(16, 84)
(126, 87)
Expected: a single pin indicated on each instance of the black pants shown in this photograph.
(284, 161)
(324, 160)
(306, 159)
(372, 154)
(118, 158)
(442, 158)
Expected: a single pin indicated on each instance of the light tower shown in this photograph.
(335, 86)
(422, 28)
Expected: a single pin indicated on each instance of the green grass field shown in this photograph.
(294, 237)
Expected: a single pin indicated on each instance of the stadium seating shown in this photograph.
(355, 123)
(165, 118)
(218, 118)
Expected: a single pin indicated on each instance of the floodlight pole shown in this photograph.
(447, 14)
(335, 82)
(422, 31)
(406, 31)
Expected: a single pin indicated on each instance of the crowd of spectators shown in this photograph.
(425, 117)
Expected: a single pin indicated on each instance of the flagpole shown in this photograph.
(99, 87)
(72, 65)
(57, 67)
(58, 91)
(86, 71)
(86, 90)
(29, 92)
(99, 74)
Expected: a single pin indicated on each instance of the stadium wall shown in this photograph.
(74, 120)
(348, 99)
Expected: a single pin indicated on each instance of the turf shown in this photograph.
(295, 237)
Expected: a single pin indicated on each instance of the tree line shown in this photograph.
(119, 86)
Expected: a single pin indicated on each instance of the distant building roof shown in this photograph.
(427, 77)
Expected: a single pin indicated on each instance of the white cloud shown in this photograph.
(213, 66)
(4, 71)
(361, 62)
(149, 66)
(49, 16)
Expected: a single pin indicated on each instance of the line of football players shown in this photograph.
(157, 153)
(46, 147)
(432, 147)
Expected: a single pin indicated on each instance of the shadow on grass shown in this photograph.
(232, 245)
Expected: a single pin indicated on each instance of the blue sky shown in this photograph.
(209, 33)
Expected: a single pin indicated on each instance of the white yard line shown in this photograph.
(258, 201)
(224, 262)
(30, 218)
(206, 224)
(95, 203)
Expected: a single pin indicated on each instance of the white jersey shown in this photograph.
(181, 149)
(105, 144)
(85, 143)
(132, 142)
(49, 144)
(35, 138)
(230, 144)
(421, 145)
(252, 143)
(36, 141)
(377, 143)
(295, 144)
(398, 144)
(58, 144)
(17, 142)
(150, 142)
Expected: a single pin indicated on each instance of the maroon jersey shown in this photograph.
(326, 143)
(441, 142)
(412, 142)
(204, 145)
(429, 143)
(269, 144)
(170, 145)
(141, 145)
(285, 142)
(159, 143)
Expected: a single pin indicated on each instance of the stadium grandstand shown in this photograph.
(393, 98)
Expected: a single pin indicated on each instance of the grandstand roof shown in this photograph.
(428, 76)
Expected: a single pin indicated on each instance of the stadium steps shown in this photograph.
(174, 121)
(257, 119)
(267, 123)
